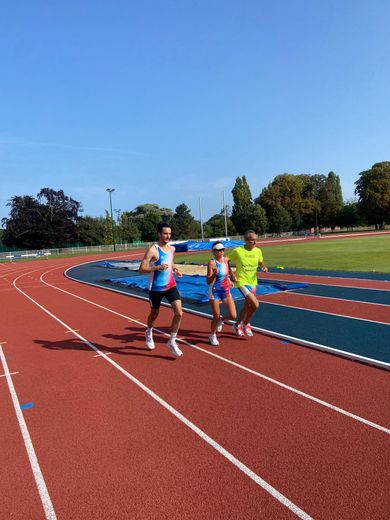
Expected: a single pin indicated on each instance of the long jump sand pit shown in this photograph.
(192, 269)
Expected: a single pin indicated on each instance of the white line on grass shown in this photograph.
(39, 480)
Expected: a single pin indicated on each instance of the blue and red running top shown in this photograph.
(219, 289)
(162, 280)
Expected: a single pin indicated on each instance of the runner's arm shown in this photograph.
(211, 272)
(149, 258)
(263, 267)
(176, 271)
(232, 274)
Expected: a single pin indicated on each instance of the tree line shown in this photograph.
(289, 203)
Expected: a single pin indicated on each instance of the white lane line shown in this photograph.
(209, 440)
(291, 292)
(298, 341)
(263, 302)
(11, 373)
(237, 365)
(303, 278)
(39, 480)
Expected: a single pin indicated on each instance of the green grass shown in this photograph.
(367, 254)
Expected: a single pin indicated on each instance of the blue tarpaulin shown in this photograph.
(206, 246)
(131, 265)
(195, 288)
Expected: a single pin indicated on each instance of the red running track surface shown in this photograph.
(108, 448)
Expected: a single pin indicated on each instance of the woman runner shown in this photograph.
(220, 278)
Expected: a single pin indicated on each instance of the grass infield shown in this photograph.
(364, 254)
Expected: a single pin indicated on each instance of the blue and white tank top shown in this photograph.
(162, 280)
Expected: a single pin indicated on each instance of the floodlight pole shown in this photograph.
(110, 190)
(201, 220)
(224, 213)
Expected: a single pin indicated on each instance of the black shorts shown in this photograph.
(155, 297)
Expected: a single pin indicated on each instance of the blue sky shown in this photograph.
(168, 101)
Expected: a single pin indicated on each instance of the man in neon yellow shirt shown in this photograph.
(247, 259)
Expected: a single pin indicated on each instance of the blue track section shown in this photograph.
(359, 337)
(364, 338)
(348, 293)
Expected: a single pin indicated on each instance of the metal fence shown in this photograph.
(11, 256)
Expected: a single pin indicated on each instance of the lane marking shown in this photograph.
(302, 278)
(27, 406)
(262, 302)
(346, 354)
(206, 438)
(11, 374)
(99, 355)
(242, 367)
(38, 476)
(291, 292)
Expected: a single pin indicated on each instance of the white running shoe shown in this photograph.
(220, 324)
(213, 340)
(149, 339)
(173, 347)
(248, 329)
(238, 329)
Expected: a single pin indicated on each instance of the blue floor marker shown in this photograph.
(285, 342)
(26, 406)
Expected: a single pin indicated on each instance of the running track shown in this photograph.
(108, 430)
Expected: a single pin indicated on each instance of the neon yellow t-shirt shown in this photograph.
(247, 263)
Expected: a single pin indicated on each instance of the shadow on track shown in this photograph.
(77, 344)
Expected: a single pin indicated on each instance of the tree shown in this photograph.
(183, 223)
(128, 228)
(91, 230)
(145, 218)
(50, 220)
(284, 191)
(258, 219)
(215, 226)
(279, 221)
(312, 195)
(331, 199)
(148, 226)
(107, 239)
(373, 190)
(245, 213)
(349, 216)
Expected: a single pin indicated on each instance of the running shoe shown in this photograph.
(213, 340)
(173, 347)
(220, 324)
(238, 329)
(149, 339)
(248, 329)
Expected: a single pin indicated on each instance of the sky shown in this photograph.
(168, 102)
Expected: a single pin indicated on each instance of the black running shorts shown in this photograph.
(155, 297)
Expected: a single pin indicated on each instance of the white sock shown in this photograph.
(173, 335)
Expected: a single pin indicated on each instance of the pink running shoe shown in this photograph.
(238, 329)
(248, 330)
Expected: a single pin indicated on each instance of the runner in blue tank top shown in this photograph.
(158, 263)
